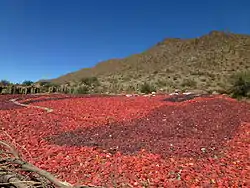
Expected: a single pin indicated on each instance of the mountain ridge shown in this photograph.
(196, 63)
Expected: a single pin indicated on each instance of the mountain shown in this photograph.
(203, 63)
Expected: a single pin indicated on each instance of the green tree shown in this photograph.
(27, 83)
(5, 82)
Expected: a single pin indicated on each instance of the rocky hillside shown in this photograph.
(203, 63)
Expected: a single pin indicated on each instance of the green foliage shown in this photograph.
(5, 82)
(81, 90)
(90, 81)
(27, 83)
(240, 85)
(147, 88)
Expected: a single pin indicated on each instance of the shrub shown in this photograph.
(89, 81)
(147, 88)
(240, 85)
(81, 90)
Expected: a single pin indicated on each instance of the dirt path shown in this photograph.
(26, 105)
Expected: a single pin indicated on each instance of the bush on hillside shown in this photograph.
(240, 85)
(90, 81)
(81, 90)
(147, 88)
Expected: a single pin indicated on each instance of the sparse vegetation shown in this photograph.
(27, 83)
(240, 85)
(161, 83)
(89, 81)
(182, 62)
(201, 65)
(45, 83)
(81, 90)
(147, 88)
(189, 83)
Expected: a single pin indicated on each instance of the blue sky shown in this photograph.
(42, 39)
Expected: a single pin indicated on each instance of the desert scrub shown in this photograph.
(89, 81)
(81, 90)
(147, 88)
(161, 83)
(240, 85)
(188, 83)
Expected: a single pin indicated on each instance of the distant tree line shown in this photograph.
(239, 86)
(24, 83)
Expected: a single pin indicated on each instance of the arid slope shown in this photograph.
(202, 63)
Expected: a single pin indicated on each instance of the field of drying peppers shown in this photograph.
(118, 141)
